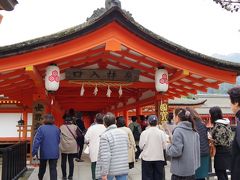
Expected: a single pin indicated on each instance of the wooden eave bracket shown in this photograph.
(214, 85)
(179, 75)
(113, 45)
(35, 76)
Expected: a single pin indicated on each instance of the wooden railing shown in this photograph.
(23, 131)
(14, 160)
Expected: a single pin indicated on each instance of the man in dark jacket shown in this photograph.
(80, 125)
(47, 139)
(136, 130)
(234, 94)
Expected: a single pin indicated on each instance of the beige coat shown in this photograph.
(68, 143)
(131, 144)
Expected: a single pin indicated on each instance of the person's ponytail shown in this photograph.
(185, 115)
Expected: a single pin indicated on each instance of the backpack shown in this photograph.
(222, 135)
(136, 133)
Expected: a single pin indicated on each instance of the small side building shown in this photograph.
(221, 100)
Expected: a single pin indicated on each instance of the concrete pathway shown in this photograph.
(82, 171)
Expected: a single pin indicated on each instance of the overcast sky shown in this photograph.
(200, 25)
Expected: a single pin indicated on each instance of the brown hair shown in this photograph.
(185, 115)
(194, 113)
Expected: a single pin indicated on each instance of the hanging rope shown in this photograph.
(82, 90)
(93, 83)
(95, 90)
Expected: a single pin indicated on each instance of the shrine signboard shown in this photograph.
(39, 109)
(38, 112)
(162, 111)
(102, 75)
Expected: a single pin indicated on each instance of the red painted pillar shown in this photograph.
(25, 119)
(125, 114)
(58, 116)
(138, 113)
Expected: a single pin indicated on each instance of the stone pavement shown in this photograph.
(82, 171)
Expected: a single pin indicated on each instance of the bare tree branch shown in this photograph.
(229, 5)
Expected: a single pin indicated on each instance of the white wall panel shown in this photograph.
(8, 123)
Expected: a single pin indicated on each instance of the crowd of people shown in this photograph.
(114, 147)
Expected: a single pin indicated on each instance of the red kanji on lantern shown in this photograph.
(54, 76)
(164, 79)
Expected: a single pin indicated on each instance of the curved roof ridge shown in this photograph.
(159, 37)
(186, 101)
(180, 47)
(125, 19)
(97, 14)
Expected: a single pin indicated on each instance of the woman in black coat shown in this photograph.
(234, 94)
(81, 126)
(222, 138)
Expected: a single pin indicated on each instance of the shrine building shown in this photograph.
(109, 63)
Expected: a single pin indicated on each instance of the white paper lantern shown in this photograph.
(161, 80)
(52, 78)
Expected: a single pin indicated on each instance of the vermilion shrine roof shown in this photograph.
(109, 40)
(125, 19)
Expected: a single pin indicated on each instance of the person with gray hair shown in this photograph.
(113, 152)
(47, 139)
